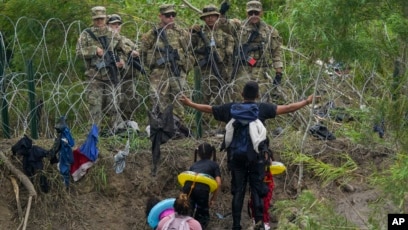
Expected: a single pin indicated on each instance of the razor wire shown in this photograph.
(60, 81)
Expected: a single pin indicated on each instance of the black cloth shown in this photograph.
(321, 132)
(22, 146)
(32, 159)
(32, 155)
(244, 171)
(161, 130)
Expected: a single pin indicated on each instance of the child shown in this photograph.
(268, 180)
(199, 193)
(179, 219)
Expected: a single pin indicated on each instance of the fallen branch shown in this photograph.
(191, 6)
(17, 192)
(25, 181)
(27, 212)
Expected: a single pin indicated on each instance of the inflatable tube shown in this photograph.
(197, 177)
(163, 206)
(277, 168)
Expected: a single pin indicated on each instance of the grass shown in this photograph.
(326, 172)
(99, 176)
(393, 182)
(309, 213)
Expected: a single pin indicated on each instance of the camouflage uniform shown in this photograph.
(223, 45)
(129, 98)
(102, 95)
(267, 56)
(164, 86)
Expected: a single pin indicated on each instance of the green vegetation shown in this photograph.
(393, 182)
(370, 36)
(100, 177)
(309, 213)
(327, 172)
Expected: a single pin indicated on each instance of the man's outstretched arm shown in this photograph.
(200, 107)
(282, 109)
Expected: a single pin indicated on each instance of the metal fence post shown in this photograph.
(31, 98)
(197, 97)
(4, 103)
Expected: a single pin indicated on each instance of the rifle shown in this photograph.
(211, 57)
(109, 58)
(135, 62)
(243, 51)
(170, 55)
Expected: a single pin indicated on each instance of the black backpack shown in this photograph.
(241, 145)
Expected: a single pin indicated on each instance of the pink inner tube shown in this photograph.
(166, 212)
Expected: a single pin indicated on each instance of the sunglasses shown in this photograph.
(172, 14)
(256, 13)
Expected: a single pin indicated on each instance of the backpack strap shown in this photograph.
(184, 225)
(168, 223)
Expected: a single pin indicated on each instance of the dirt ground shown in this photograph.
(103, 199)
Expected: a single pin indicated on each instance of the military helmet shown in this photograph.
(114, 18)
(209, 10)
(98, 12)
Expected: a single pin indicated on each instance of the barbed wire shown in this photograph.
(60, 83)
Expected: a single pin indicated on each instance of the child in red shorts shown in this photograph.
(268, 180)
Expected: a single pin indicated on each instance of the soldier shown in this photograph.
(258, 49)
(129, 98)
(101, 49)
(165, 51)
(213, 49)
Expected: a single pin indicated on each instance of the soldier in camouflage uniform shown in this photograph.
(102, 91)
(261, 45)
(129, 98)
(212, 46)
(167, 81)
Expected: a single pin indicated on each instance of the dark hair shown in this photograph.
(182, 204)
(150, 203)
(251, 90)
(205, 151)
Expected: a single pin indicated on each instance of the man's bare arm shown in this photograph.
(283, 109)
(200, 107)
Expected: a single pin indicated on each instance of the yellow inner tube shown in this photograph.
(197, 177)
(277, 168)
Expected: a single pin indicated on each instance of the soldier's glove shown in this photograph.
(224, 7)
(195, 28)
(277, 80)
